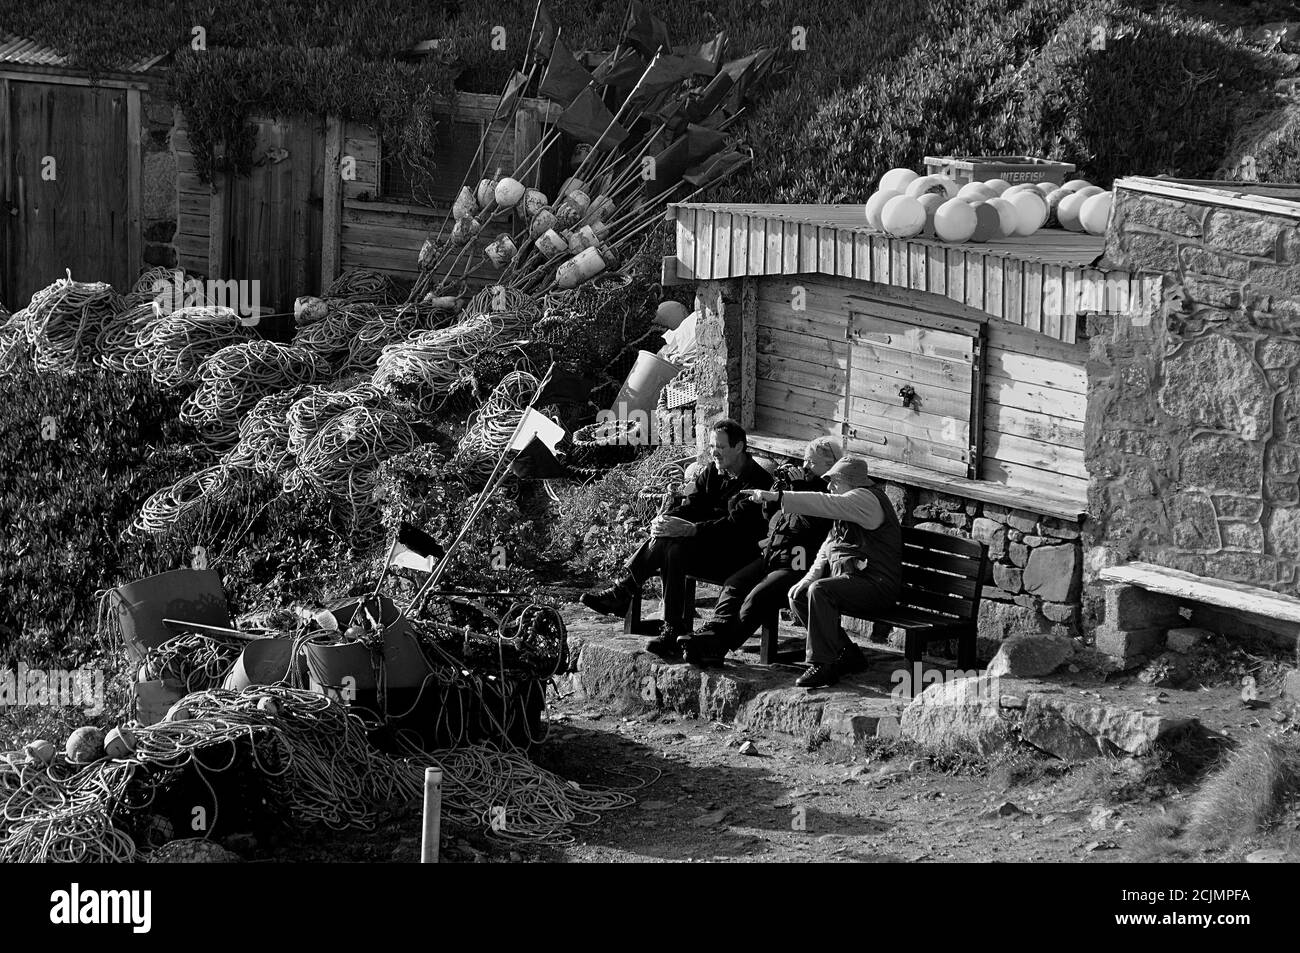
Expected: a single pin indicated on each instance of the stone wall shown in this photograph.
(158, 196)
(1193, 428)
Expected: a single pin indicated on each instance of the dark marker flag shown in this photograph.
(565, 387)
(586, 118)
(745, 72)
(701, 106)
(644, 31)
(714, 168)
(543, 36)
(687, 152)
(415, 549)
(667, 72)
(623, 72)
(565, 77)
(514, 89)
(536, 462)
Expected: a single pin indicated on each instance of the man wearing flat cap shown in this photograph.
(858, 570)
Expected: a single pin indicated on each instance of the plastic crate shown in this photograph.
(1013, 169)
(679, 394)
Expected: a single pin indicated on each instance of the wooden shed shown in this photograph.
(74, 180)
(959, 370)
(324, 196)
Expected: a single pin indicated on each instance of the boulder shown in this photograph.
(962, 714)
(1029, 656)
(1078, 730)
(1002, 620)
(1052, 572)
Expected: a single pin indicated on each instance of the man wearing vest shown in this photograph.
(858, 569)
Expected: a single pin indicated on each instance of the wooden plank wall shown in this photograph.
(193, 204)
(1035, 392)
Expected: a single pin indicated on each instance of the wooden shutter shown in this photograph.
(940, 429)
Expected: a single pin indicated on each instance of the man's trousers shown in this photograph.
(675, 557)
(820, 606)
(750, 595)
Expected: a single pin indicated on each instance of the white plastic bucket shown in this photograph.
(644, 382)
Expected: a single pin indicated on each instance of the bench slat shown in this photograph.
(963, 566)
(1215, 592)
(962, 609)
(926, 578)
(942, 542)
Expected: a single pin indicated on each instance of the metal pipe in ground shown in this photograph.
(432, 815)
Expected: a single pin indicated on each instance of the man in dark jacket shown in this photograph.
(714, 531)
(756, 591)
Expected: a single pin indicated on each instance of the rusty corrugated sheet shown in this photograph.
(21, 51)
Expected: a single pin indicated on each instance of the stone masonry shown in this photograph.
(159, 213)
(1193, 423)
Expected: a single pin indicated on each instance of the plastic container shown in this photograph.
(263, 662)
(644, 382)
(191, 595)
(1013, 169)
(403, 664)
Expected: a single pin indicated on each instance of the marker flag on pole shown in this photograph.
(565, 387)
(540, 426)
(514, 89)
(565, 77)
(586, 118)
(623, 72)
(536, 462)
(644, 31)
(667, 72)
(715, 167)
(687, 152)
(543, 37)
(415, 549)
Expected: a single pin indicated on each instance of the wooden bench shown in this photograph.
(1136, 627)
(943, 577)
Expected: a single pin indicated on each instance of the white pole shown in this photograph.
(432, 815)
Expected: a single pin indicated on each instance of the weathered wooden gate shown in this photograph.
(66, 174)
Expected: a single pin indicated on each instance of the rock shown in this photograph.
(1167, 670)
(888, 728)
(1007, 809)
(1291, 686)
(1059, 611)
(1029, 656)
(1007, 577)
(1023, 520)
(961, 714)
(1018, 553)
(1032, 541)
(1014, 536)
(193, 850)
(1267, 855)
(1101, 845)
(749, 748)
(713, 817)
(992, 534)
(1216, 383)
(1012, 701)
(1052, 573)
(1002, 620)
(1077, 730)
(1127, 646)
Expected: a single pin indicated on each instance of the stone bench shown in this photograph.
(1142, 601)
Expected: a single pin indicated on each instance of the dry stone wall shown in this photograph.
(1193, 426)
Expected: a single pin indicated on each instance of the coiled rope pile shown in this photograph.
(175, 346)
(318, 405)
(495, 423)
(264, 435)
(389, 325)
(341, 459)
(212, 486)
(234, 379)
(64, 320)
(116, 348)
(13, 342)
(361, 284)
(318, 764)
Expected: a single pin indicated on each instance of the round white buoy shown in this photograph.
(1007, 215)
(486, 192)
(40, 751)
(1075, 185)
(930, 201)
(534, 201)
(975, 192)
(1031, 211)
(1094, 213)
(875, 204)
(955, 220)
(939, 184)
(1067, 211)
(552, 243)
(998, 185)
(508, 192)
(1054, 200)
(897, 180)
(903, 216)
(1047, 188)
(119, 742)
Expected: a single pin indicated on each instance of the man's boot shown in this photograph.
(615, 600)
(666, 645)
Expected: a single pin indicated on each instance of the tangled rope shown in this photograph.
(196, 660)
(13, 342)
(264, 435)
(234, 379)
(389, 325)
(318, 405)
(495, 423)
(64, 320)
(174, 347)
(191, 493)
(361, 284)
(116, 348)
(341, 459)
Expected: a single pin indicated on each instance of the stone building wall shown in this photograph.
(1193, 426)
(159, 212)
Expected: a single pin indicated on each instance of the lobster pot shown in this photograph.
(551, 243)
(502, 251)
(584, 266)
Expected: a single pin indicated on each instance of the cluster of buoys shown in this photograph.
(934, 206)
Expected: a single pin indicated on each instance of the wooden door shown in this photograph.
(914, 394)
(66, 201)
(272, 217)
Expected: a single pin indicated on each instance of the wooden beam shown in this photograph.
(6, 196)
(528, 132)
(1200, 195)
(1215, 592)
(218, 211)
(748, 349)
(64, 79)
(134, 159)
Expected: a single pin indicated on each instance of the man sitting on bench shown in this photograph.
(715, 531)
(760, 590)
(858, 570)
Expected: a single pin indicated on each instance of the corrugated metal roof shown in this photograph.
(24, 52)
